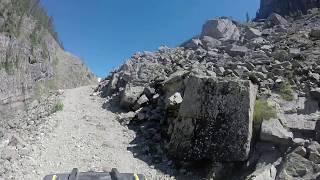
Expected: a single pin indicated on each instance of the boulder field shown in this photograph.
(244, 98)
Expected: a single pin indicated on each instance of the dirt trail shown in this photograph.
(88, 137)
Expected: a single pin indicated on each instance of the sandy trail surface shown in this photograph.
(83, 135)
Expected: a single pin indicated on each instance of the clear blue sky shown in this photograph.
(104, 33)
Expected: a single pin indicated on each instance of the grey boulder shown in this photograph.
(251, 33)
(130, 95)
(219, 112)
(221, 29)
(314, 154)
(140, 102)
(275, 19)
(296, 167)
(210, 42)
(315, 33)
(235, 50)
(273, 131)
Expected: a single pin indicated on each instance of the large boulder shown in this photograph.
(215, 120)
(315, 33)
(130, 95)
(221, 28)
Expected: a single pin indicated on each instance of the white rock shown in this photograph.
(175, 99)
(266, 173)
(273, 131)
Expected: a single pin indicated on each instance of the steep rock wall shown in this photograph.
(286, 7)
(32, 62)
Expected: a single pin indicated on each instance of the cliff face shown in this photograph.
(32, 62)
(286, 7)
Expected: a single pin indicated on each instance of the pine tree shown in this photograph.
(248, 17)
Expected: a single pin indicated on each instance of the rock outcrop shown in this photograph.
(214, 121)
(286, 7)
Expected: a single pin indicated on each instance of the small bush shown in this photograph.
(263, 111)
(58, 107)
(286, 92)
(34, 39)
(8, 66)
(153, 148)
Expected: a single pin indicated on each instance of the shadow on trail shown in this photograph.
(149, 146)
(112, 105)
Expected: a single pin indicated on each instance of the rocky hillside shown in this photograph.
(244, 98)
(32, 63)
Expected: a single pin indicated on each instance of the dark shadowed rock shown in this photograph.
(215, 120)
(285, 7)
(315, 33)
(315, 94)
(275, 19)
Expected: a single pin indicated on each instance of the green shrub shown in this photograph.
(153, 148)
(33, 8)
(34, 39)
(286, 92)
(8, 66)
(58, 107)
(263, 111)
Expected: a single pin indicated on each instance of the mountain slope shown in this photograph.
(32, 62)
(241, 99)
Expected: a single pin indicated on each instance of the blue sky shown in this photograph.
(104, 33)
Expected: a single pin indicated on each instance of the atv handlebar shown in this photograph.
(113, 175)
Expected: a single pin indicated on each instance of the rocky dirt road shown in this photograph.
(86, 136)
